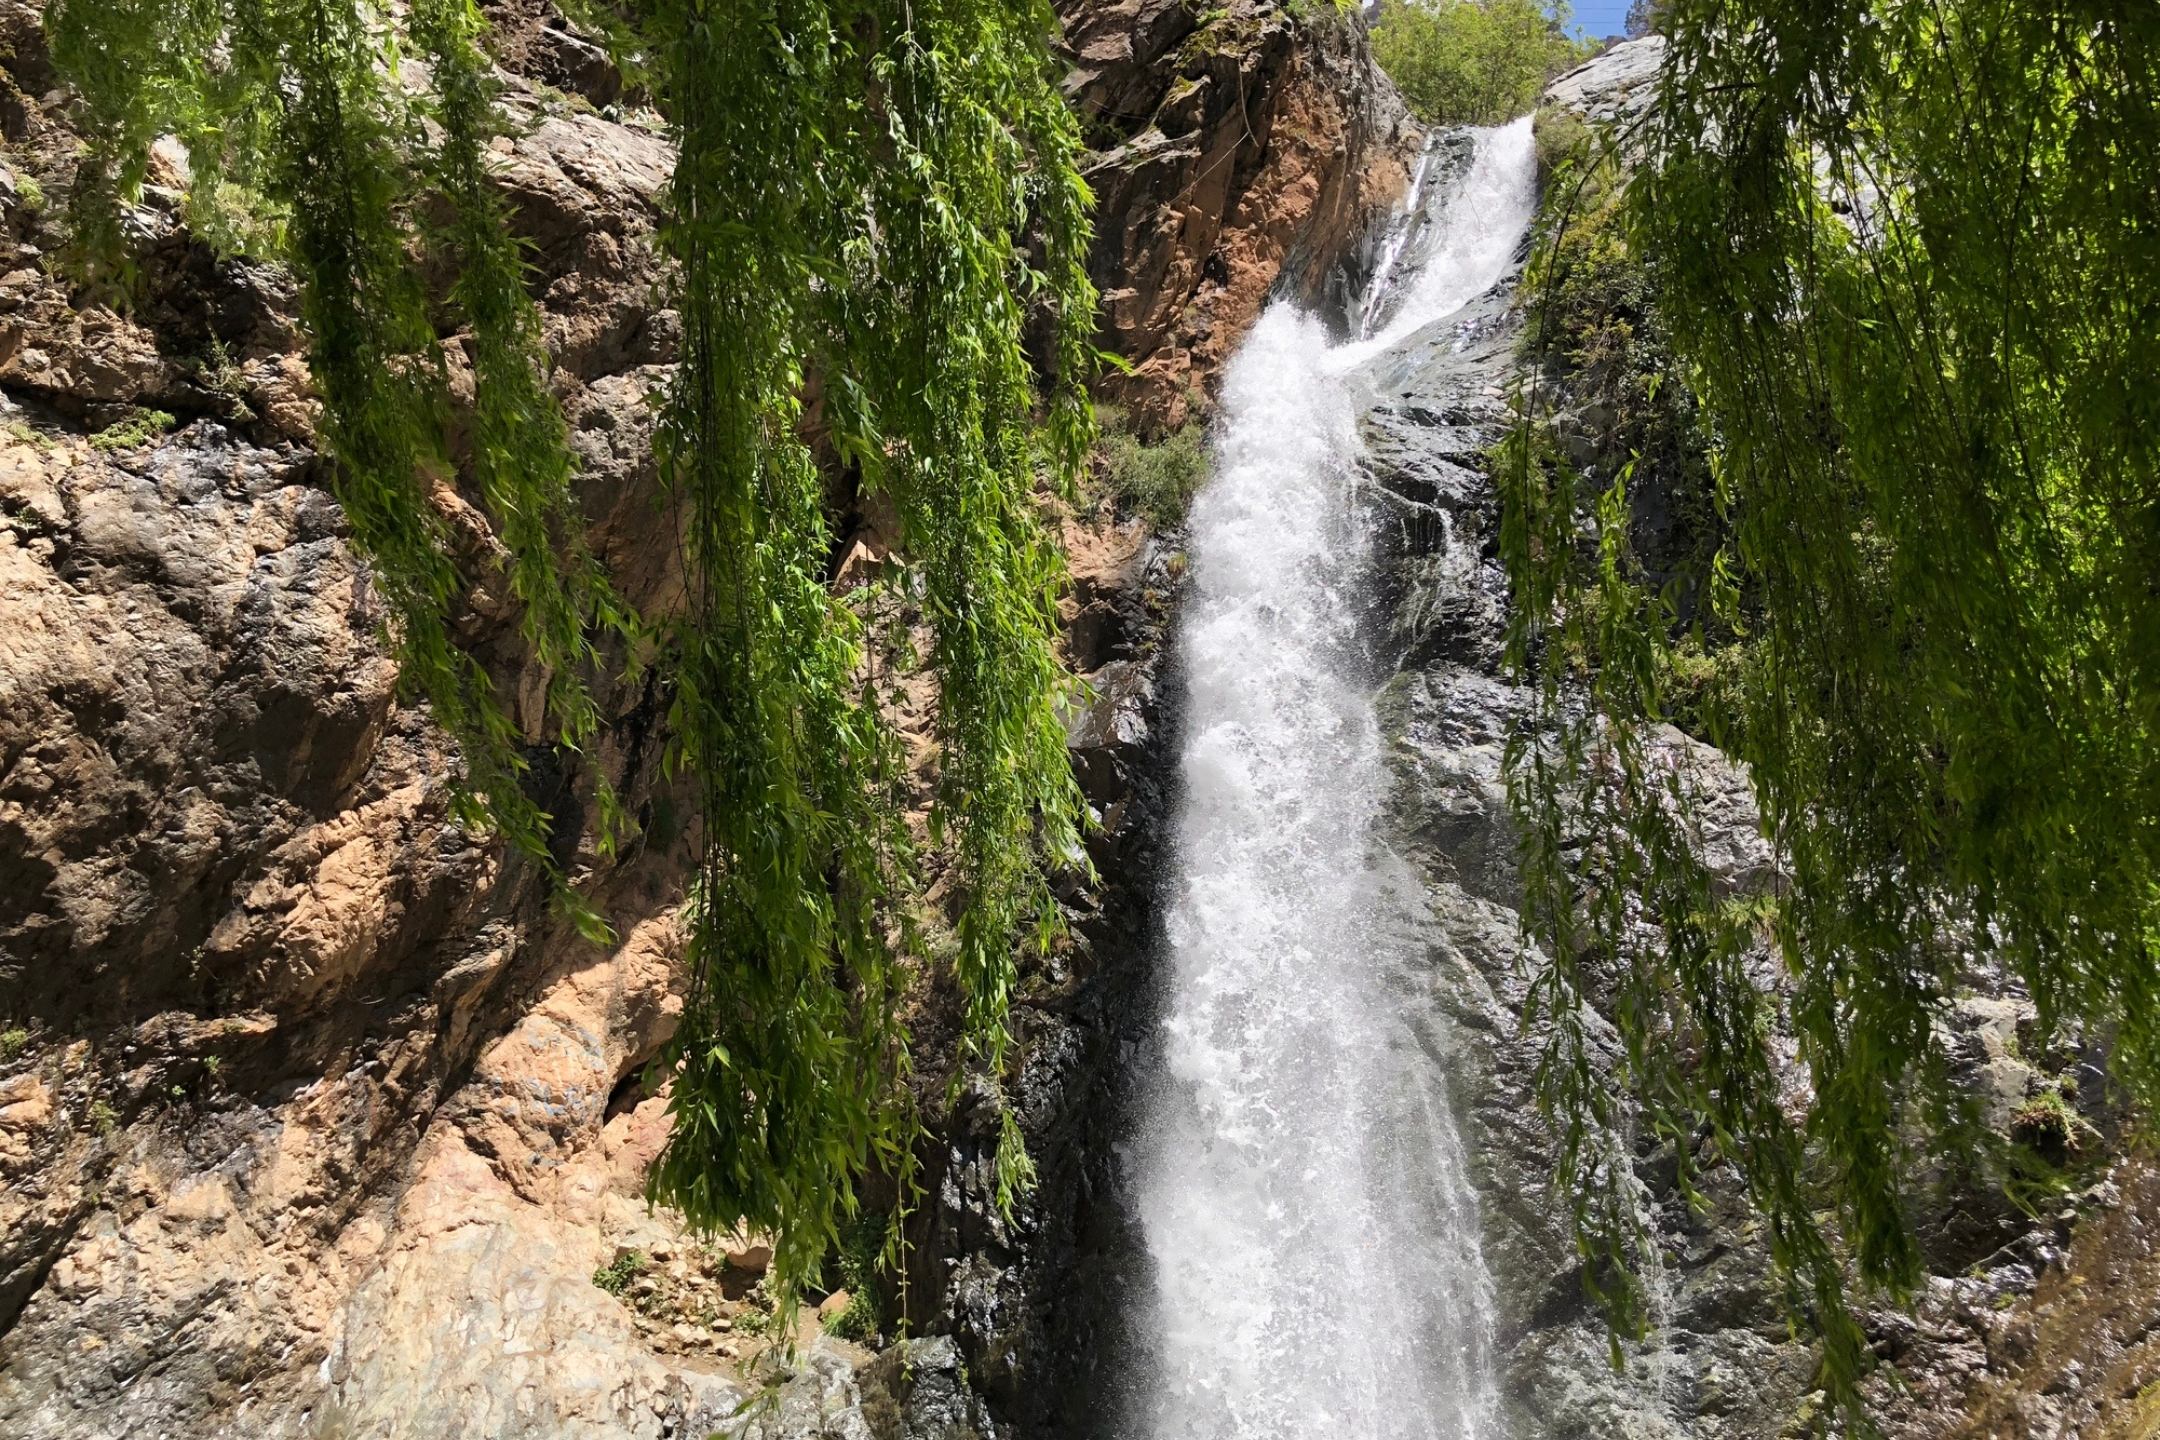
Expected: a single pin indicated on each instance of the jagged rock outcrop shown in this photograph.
(1238, 151)
(313, 1119)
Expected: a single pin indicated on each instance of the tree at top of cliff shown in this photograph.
(874, 193)
(1907, 254)
(1473, 62)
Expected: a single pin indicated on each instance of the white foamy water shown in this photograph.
(1300, 1185)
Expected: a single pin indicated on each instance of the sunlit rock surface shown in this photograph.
(1238, 151)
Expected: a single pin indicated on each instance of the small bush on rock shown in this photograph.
(2047, 1126)
(615, 1276)
(1154, 480)
(1561, 137)
(854, 1265)
(139, 427)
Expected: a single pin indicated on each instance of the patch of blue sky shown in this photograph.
(1599, 18)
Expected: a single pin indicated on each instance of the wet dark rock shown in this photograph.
(1024, 1311)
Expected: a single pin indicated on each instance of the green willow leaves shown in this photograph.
(1907, 256)
(870, 197)
(877, 235)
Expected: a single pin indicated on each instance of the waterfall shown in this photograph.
(1299, 1184)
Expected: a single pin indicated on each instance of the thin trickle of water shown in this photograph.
(1300, 1186)
(1406, 225)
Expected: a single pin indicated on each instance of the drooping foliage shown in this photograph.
(853, 203)
(1473, 62)
(1906, 257)
(875, 217)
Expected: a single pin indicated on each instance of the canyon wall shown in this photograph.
(314, 1120)
(1240, 151)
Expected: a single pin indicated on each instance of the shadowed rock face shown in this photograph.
(312, 1120)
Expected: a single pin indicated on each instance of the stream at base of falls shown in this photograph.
(1312, 1261)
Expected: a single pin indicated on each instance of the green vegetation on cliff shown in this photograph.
(1905, 259)
(1473, 62)
(870, 199)
(1158, 479)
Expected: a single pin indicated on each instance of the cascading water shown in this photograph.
(1299, 1184)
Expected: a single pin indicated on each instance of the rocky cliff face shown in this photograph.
(312, 1120)
(1996, 1345)
(315, 1121)
(1239, 150)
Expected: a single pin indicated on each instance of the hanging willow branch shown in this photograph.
(872, 202)
(853, 200)
(1907, 258)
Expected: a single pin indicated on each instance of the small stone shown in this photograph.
(749, 1253)
(833, 1304)
(687, 1333)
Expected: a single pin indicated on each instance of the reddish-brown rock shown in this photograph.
(1238, 149)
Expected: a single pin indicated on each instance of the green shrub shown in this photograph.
(855, 1264)
(22, 432)
(139, 427)
(1701, 685)
(1155, 480)
(13, 1042)
(1313, 13)
(858, 1322)
(1473, 62)
(2047, 1126)
(1562, 137)
(615, 1276)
